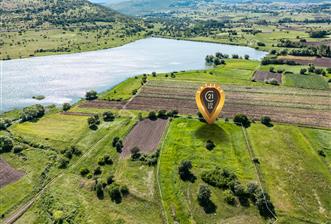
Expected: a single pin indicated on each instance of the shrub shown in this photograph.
(204, 195)
(91, 95)
(210, 145)
(228, 197)
(134, 92)
(108, 116)
(154, 74)
(162, 114)
(321, 153)
(328, 70)
(4, 124)
(235, 56)
(17, 148)
(218, 177)
(272, 69)
(63, 163)
(241, 119)
(260, 44)
(246, 56)
(66, 106)
(124, 190)
(135, 153)
(152, 115)
(266, 120)
(303, 71)
(110, 179)
(84, 171)
(6, 144)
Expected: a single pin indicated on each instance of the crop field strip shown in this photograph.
(288, 105)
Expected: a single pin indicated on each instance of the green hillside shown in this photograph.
(35, 28)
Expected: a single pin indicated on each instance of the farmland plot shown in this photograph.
(288, 105)
(146, 135)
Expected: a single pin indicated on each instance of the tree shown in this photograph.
(266, 120)
(66, 106)
(124, 190)
(91, 95)
(152, 115)
(110, 179)
(246, 56)
(99, 190)
(241, 119)
(108, 116)
(272, 69)
(184, 171)
(6, 144)
(228, 197)
(203, 197)
(115, 194)
(264, 205)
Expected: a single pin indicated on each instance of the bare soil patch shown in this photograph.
(322, 62)
(261, 76)
(77, 113)
(104, 104)
(146, 135)
(8, 174)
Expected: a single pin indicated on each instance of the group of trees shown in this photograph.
(162, 114)
(150, 160)
(312, 69)
(4, 123)
(32, 113)
(228, 181)
(68, 154)
(319, 51)
(184, 171)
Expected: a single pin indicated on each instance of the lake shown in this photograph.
(66, 78)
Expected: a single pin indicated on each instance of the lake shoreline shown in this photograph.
(66, 78)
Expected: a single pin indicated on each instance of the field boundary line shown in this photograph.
(257, 169)
(22, 209)
(158, 172)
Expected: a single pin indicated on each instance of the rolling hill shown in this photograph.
(27, 14)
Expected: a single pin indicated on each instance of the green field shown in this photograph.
(186, 141)
(305, 81)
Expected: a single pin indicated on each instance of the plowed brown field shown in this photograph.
(8, 174)
(146, 135)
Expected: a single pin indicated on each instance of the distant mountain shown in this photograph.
(141, 7)
(26, 14)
